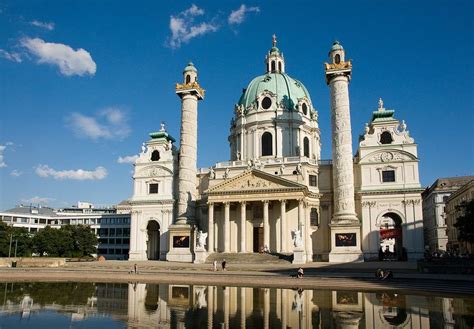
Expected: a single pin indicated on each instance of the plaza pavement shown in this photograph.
(318, 275)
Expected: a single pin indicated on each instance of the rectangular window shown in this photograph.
(388, 176)
(153, 188)
(313, 180)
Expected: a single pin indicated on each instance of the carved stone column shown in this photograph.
(243, 305)
(283, 232)
(190, 93)
(210, 229)
(266, 226)
(243, 227)
(210, 306)
(345, 225)
(226, 227)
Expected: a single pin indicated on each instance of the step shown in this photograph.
(250, 258)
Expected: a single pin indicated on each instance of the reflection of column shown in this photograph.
(283, 225)
(243, 219)
(243, 315)
(266, 308)
(266, 226)
(284, 308)
(210, 229)
(226, 307)
(308, 242)
(210, 306)
(301, 222)
(226, 226)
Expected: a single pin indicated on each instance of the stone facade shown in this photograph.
(275, 194)
(434, 210)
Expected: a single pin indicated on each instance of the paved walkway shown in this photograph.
(354, 276)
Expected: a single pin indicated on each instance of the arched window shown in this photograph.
(306, 147)
(267, 144)
(273, 66)
(337, 59)
(188, 78)
(155, 155)
(386, 138)
(279, 67)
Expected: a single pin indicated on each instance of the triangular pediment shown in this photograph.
(255, 180)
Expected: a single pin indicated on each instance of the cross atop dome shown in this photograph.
(274, 40)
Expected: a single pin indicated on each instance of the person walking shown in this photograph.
(224, 263)
(214, 265)
(135, 268)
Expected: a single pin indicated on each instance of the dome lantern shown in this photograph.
(275, 61)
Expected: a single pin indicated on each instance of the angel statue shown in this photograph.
(297, 241)
(201, 239)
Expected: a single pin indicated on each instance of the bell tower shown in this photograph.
(345, 226)
(181, 239)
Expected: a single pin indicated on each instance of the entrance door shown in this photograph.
(153, 244)
(257, 239)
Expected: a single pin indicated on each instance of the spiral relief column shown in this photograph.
(181, 240)
(345, 226)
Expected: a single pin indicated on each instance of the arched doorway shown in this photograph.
(153, 243)
(391, 238)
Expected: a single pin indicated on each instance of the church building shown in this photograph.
(275, 194)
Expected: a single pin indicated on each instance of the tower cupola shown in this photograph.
(274, 60)
(337, 53)
(190, 73)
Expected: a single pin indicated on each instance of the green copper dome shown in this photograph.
(190, 67)
(336, 46)
(285, 88)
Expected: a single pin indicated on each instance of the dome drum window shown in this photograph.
(267, 144)
(304, 108)
(266, 103)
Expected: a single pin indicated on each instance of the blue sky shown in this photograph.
(82, 83)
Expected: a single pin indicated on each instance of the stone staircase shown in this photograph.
(250, 258)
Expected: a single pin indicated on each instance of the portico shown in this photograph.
(255, 210)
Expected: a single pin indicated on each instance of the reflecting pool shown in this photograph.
(138, 305)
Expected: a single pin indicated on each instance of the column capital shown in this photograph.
(243, 203)
(266, 202)
(210, 203)
(283, 200)
(226, 203)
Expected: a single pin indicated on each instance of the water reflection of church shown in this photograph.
(142, 305)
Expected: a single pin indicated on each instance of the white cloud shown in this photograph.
(11, 56)
(127, 159)
(37, 199)
(183, 28)
(16, 173)
(238, 16)
(47, 26)
(109, 123)
(2, 161)
(79, 174)
(70, 61)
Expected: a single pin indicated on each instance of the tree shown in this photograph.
(53, 242)
(19, 238)
(84, 240)
(465, 222)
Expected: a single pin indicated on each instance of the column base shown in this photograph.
(345, 242)
(200, 256)
(181, 243)
(299, 256)
(137, 255)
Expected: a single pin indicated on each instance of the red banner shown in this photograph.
(391, 233)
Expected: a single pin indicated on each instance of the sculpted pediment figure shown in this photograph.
(254, 180)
